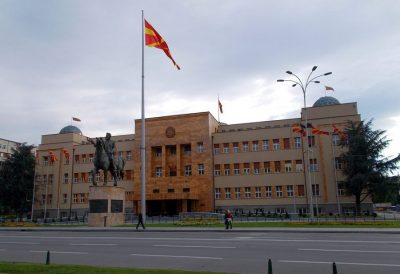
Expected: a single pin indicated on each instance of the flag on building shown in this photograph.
(298, 129)
(329, 88)
(66, 153)
(76, 119)
(153, 39)
(52, 157)
(220, 106)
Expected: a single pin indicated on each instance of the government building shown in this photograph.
(196, 164)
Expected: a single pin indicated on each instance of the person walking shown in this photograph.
(140, 221)
(228, 219)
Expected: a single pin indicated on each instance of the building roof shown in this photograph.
(326, 101)
(70, 129)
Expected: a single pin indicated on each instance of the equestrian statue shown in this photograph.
(104, 159)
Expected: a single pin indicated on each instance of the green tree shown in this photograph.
(366, 169)
(16, 180)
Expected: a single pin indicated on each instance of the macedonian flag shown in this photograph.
(153, 39)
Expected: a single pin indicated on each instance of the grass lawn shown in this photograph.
(29, 268)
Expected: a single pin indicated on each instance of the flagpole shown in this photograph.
(143, 143)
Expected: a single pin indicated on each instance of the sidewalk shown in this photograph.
(207, 229)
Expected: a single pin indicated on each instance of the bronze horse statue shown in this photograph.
(102, 161)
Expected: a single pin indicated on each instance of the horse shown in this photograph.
(101, 161)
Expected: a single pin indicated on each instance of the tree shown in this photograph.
(16, 180)
(366, 169)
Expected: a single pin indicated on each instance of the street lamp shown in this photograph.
(304, 86)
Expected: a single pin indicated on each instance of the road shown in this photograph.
(227, 251)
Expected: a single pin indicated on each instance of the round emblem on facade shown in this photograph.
(170, 132)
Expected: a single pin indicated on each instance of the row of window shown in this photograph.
(268, 144)
(172, 171)
(186, 149)
(87, 158)
(84, 177)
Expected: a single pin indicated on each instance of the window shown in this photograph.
(236, 169)
(226, 148)
(128, 155)
(75, 200)
(265, 145)
(187, 149)
(200, 147)
(247, 192)
(217, 193)
(288, 166)
(227, 169)
(311, 141)
(45, 160)
(84, 158)
(65, 198)
(217, 170)
(280, 210)
(43, 199)
(157, 151)
(279, 192)
(172, 171)
(90, 179)
(235, 147)
(341, 189)
(76, 177)
(66, 180)
(156, 190)
(315, 189)
(297, 142)
(82, 198)
(76, 159)
(246, 168)
(216, 148)
(258, 192)
(267, 167)
(237, 192)
(302, 210)
(200, 169)
(158, 172)
(286, 143)
(171, 150)
(188, 170)
(335, 140)
(245, 147)
(171, 190)
(275, 144)
(339, 163)
(83, 177)
(256, 168)
(289, 190)
(97, 177)
(186, 190)
(255, 145)
(277, 165)
(300, 190)
(313, 165)
(45, 179)
(268, 191)
(299, 165)
(227, 193)
(50, 199)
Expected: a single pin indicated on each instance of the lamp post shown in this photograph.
(304, 86)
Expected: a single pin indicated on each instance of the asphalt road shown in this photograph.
(227, 251)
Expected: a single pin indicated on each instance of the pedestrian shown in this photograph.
(228, 219)
(140, 221)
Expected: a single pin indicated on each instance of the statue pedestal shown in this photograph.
(106, 206)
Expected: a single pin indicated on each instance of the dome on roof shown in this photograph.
(70, 129)
(326, 101)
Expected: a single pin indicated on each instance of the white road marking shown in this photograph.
(20, 243)
(339, 263)
(196, 246)
(209, 239)
(348, 250)
(58, 252)
(172, 256)
(94, 244)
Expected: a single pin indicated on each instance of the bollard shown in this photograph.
(334, 268)
(269, 266)
(48, 257)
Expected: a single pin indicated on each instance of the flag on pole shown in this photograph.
(298, 129)
(153, 39)
(329, 88)
(76, 119)
(66, 153)
(220, 106)
(52, 157)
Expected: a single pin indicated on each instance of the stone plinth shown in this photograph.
(106, 206)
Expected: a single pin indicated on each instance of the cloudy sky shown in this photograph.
(61, 59)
